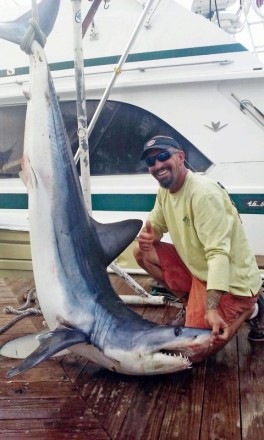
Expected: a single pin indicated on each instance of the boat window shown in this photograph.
(115, 143)
(12, 123)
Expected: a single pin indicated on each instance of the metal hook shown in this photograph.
(244, 103)
(105, 5)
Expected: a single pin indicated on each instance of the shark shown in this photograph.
(71, 251)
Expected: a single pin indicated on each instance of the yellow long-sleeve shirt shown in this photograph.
(206, 230)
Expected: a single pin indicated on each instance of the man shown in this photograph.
(209, 264)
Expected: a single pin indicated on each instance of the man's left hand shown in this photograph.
(220, 329)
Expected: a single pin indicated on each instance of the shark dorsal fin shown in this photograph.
(115, 237)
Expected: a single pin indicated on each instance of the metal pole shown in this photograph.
(117, 71)
(83, 132)
(81, 104)
(153, 301)
(243, 107)
(130, 281)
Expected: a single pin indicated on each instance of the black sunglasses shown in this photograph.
(161, 157)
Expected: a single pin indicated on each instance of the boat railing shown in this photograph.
(234, 16)
(247, 106)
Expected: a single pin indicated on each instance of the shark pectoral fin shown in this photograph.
(23, 346)
(115, 237)
(50, 344)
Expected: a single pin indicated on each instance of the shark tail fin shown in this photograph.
(15, 31)
(50, 344)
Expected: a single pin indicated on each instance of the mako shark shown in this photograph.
(70, 251)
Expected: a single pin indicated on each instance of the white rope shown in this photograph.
(22, 312)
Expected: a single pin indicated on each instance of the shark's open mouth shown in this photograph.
(174, 353)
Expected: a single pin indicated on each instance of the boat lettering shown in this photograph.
(256, 203)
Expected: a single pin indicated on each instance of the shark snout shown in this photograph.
(160, 350)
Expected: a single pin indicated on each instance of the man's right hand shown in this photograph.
(146, 237)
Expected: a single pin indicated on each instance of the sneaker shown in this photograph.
(257, 324)
(158, 288)
(256, 336)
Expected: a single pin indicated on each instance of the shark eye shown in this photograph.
(177, 331)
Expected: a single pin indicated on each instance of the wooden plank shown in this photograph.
(15, 251)
(12, 266)
(184, 407)
(73, 365)
(155, 401)
(8, 236)
(49, 418)
(221, 412)
(41, 402)
(12, 294)
(116, 282)
(32, 390)
(251, 365)
(108, 394)
(70, 397)
(55, 434)
(105, 392)
(146, 411)
(260, 261)
(24, 325)
(19, 286)
(17, 273)
(41, 408)
(49, 371)
(7, 300)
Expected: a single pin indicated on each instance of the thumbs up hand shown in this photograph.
(146, 237)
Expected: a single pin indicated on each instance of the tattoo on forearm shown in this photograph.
(213, 299)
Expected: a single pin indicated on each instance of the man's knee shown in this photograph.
(146, 259)
(139, 256)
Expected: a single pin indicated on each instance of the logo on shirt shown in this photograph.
(187, 220)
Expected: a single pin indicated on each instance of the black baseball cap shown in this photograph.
(161, 142)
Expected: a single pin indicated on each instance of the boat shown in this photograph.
(194, 71)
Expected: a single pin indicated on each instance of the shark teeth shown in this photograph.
(178, 356)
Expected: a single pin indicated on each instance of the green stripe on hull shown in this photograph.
(123, 202)
(135, 57)
(13, 201)
(100, 202)
(249, 203)
(245, 203)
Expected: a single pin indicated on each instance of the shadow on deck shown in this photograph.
(72, 398)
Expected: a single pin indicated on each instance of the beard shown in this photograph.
(166, 183)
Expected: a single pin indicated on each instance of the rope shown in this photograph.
(33, 33)
(23, 312)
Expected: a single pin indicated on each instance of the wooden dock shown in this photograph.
(71, 398)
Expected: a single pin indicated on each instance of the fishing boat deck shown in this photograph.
(69, 397)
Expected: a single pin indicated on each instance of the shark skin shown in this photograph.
(70, 251)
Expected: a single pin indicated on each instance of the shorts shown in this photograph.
(178, 278)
